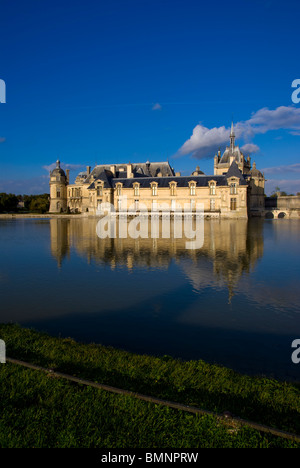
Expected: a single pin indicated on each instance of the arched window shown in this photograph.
(192, 188)
(154, 189)
(172, 189)
(212, 189)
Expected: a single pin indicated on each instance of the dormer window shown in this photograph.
(99, 191)
(154, 189)
(192, 188)
(119, 190)
(212, 188)
(233, 188)
(136, 189)
(173, 189)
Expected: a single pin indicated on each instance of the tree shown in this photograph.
(37, 203)
(8, 202)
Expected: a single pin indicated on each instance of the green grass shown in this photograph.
(38, 410)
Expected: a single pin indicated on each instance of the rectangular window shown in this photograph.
(136, 204)
(233, 204)
(213, 189)
(193, 189)
(212, 204)
(136, 191)
(119, 191)
(233, 189)
(154, 190)
(99, 191)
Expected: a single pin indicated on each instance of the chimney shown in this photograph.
(113, 170)
(88, 170)
(129, 171)
(68, 175)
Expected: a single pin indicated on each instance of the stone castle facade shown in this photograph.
(235, 190)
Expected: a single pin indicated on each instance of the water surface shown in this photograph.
(233, 302)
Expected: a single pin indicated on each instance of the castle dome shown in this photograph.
(58, 171)
(234, 152)
(255, 172)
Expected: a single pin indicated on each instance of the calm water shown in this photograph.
(234, 302)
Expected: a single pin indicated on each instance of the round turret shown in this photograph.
(58, 189)
(255, 172)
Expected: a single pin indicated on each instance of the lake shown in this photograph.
(234, 301)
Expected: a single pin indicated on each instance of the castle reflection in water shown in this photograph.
(232, 247)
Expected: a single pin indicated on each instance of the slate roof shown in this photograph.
(234, 171)
(110, 181)
(229, 152)
(182, 181)
(106, 177)
(139, 170)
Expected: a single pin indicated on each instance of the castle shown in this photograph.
(235, 190)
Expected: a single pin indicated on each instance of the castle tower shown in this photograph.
(257, 189)
(58, 190)
(232, 153)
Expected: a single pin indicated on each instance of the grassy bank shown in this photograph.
(42, 411)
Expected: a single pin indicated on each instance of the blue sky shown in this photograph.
(110, 82)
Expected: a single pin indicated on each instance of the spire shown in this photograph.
(232, 137)
(232, 130)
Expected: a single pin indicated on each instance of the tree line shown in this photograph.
(11, 203)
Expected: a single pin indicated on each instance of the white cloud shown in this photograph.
(281, 118)
(286, 185)
(290, 168)
(204, 141)
(50, 167)
(250, 148)
(71, 167)
(156, 106)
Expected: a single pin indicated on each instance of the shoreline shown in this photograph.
(38, 216)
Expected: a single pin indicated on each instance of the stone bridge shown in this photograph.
(278, 214)
(282, 207)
